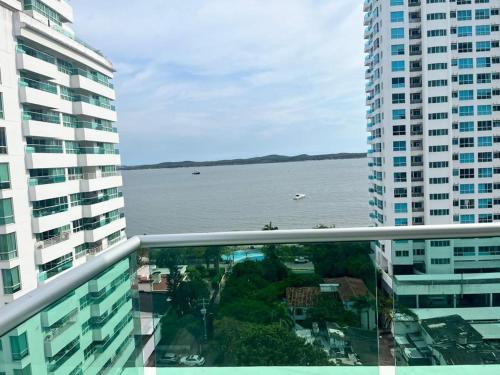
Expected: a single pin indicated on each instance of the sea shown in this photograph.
(246, 197)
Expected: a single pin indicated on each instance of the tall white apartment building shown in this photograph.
(60, 201)
(433, 91)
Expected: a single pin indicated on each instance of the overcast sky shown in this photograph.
(213, 79)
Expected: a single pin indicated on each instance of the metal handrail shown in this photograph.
(17, 312)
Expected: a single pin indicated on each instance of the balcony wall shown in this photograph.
(94, 160)
(39, 160)
(86, 109)
(87, 84)
(100, 183)
(46, 191)
(35, 65)
(42, 98)
(33, 128)
(84, 134)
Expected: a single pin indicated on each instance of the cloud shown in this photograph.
(204, 79)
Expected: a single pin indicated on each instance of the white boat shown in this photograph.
(299, 196)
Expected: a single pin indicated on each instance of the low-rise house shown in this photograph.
(300, 300)
(351, 291)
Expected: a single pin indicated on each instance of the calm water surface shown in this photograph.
(245, 197)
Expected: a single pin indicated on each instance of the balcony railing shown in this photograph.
(64, 236)
(277, 299)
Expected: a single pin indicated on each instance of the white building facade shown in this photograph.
(433, 91)
(60, 201)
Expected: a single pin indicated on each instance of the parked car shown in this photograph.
(192, 361)
(170, 359)
(301, 260)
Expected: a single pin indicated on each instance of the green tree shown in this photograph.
(247, 344)
(330, 309)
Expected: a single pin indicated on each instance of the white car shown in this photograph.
(301, 260)
(192, 361)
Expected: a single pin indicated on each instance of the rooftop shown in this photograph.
(302, 297)
(349, 287)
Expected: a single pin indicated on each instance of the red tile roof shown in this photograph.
(349, 287)
(302, 297)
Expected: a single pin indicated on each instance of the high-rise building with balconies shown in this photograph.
(433, 91)
(60, 201)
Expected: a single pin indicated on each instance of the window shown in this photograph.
(397, 17)
(463, 31)
(402, 253)
(4, 176)
(397, 33)
(3, 141)
(464, 15)
(485, 188)
(437, 83)
(400, 222)
(398, 49)
(484, 110)
(400, 177)
(485, 172)
(8, 246)
(11, 280)
(399, 146)
(400, 193)
(483, 29)
(484, 125)
(19, 346)
(439, 196)
(483, 94)
(483, 78)
(483, 62)
(483, 46)
(436, 32)
(399, 161)
(466, 126)
(399, 129)
(485, 203)
(438, 148)
(6, 213)
(465, 47)
(397, 2)
(400, 208)
(436, 16)
(1, 106)
(465, 63)
(485, 141)
(437, 49)
(398, 98)
(440, 261)
(482, 14)
(438, 164)
(437, 99)
(466, 111)
(437, 66)
(464, 251)
(465, 79)
(398, 82)
(466, 142)
(398, 114)
(467, 158)
(467, 219)
(398, 66)
(466, 188)
(440, 212)
(484, 157)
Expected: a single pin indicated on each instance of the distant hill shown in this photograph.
(257, 160)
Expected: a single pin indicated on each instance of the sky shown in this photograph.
(216, 79)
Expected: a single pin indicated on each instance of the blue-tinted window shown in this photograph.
(398, 114)
(399, 161)
(464, 31)
(397, 16)
(400, 208)
(467, 158)
(399, 146)
(398, 66)
(397, 2)
(484, 141)
(401, 222)
(484, 110)
(397, 33)
(466, 188)
(483, 29)
(466, 126)
(465, 63)
(485, 172)
(464, 15)
(466, 219)
(467, 110)
(466, 94)
(397, 49)
(484, 188)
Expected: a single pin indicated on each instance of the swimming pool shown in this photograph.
(242, 255)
